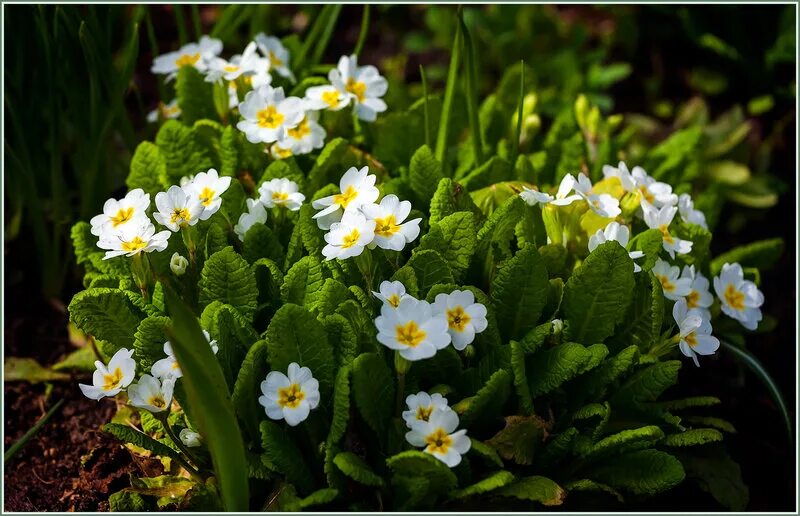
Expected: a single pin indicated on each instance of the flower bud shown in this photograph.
(469, 351)
(558, 325)
(178, 264)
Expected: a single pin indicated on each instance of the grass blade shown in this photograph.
(211, 404)
(362, 35)
(518, 135)
(443, 134)
(761, 373)
(471, 89)
(198, 26)
(327, 32)
(17, 446)
(426, 110)
(180, 22)
(313, 34)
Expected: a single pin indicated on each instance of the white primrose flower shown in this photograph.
(390, 293)
(306, 136)
(151, 394)
(465, 317)
(348, 237)
(178, 264)
(281, 193)
(673, 286)
(439, 438)
(688, 213)
(167, 111)
(740, 298)
(621, 172)
(326, 97)
(194, 54)
(413, 330)
(390, 230)
(695, 332)
(177, 208)
(116, 213)
(421, 405)
(534, 197)
(256, 214)
(660, 219)
(132, 239)
(238, 65)
(168, 367)
(699, 297)
(186, 180)
(563, 197)
(111, 379)
(363, 84)
(619, 233)
(357, 188)
(278, 56)
(653, 192)
(267, 114)
(290, 397)
(602, 204)
(190, 438)
(207, 187)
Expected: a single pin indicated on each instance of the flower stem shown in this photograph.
(364, 264)
(162, 417)
(402, 366)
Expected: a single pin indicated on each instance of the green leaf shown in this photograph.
(647, 384)
(228, 278)
(535, 489)
(642, 322)
(585, 484)
(354, 467)
(593, 385)
(453, 237)
(650, 242)
(248, 386)
(29, 370)
(335, 158)
(597, 295)
(148, 170)
(84, 243)
(716, 473)
(488, 402)
(643, 472)
(310, 234)
(325, 301)
(548, 369)
(519, 291)
(281, 451)
(486, 453)
(229, 152)
(449, 198)
(418, 464)
(518, 368)
(261, 242)
(494, 481)
(693, 437)
(494, 171)
(302, 280)
(128, 434)
(424, 173)
(520, 440)
(128, 501)
(701, 242)
(319, 497)
(694, 401)
(624, 441)
(212, 409)
(80, 360)
(149, 339)
(182, 150)
(295, 335)
(373, 390)
(342, 336)
(762, 255)
(195, 95)
(108, 314)
(430, 268)
(558, 448)
(341, 406)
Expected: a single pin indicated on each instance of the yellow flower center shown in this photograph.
(302, 130)
(423, 413)
(693, 299)
(122, 216)
(248, 80)
(409, 334)
(344, 198)
(666, 284)
(281, 152)
(457, 318)
(168, 111)
(180, 216)
(290, 396)
(646, 194)
(734, 298)
(231, 68)
(357, 88)
(393, 300)
(157, 401)
(206, 197)
(187, 60)
(175, 365)
(331, 98)
(438, 441)
(111, 381)
(691, 340)
(280, 197)
(386, 227)
(269, 117)
(351, 239)
(134, 245)
(664, 228)
(275, 60)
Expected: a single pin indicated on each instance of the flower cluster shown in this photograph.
(417, 329)
(432, 425)
(354, 221)
(287, 125)
(279, 194)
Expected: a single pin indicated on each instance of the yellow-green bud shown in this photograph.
(178, 264)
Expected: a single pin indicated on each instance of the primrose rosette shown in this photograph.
(403, 318)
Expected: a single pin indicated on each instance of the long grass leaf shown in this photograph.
(325, 37)
(518, 132)
(211, 404)
(180, 22)
(426, 110)
(362, 35)
(443, 134)
(471, 89)
(30, 434)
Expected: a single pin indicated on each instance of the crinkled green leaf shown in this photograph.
(454, 238)
(303, 280)
(418, 464)
(373, 390)
(149, 341)
(107, 314)
(229, 152)
(485, 452)
(227, 277)
(356, 468)
(261, 242)
(693, 437)
(762, 254)
(492, 482)
(148, 170)
(586, 484)
(430, 268)
(650, 242)
(548, 369)
(130, 435)
(642, 322)
(195, 95)
(182, 151)
(647, 384)
(488, 402)
(449, 198)
(424, 173)
(248, 388)
(718, 474)
(341, 406)
(520, 440)
(624, 441)
(557, 448)
(519, 291)
(342, 337)
(642, 472)
(333, 161)
(495, 170)
(535, 489)
(281, 451)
